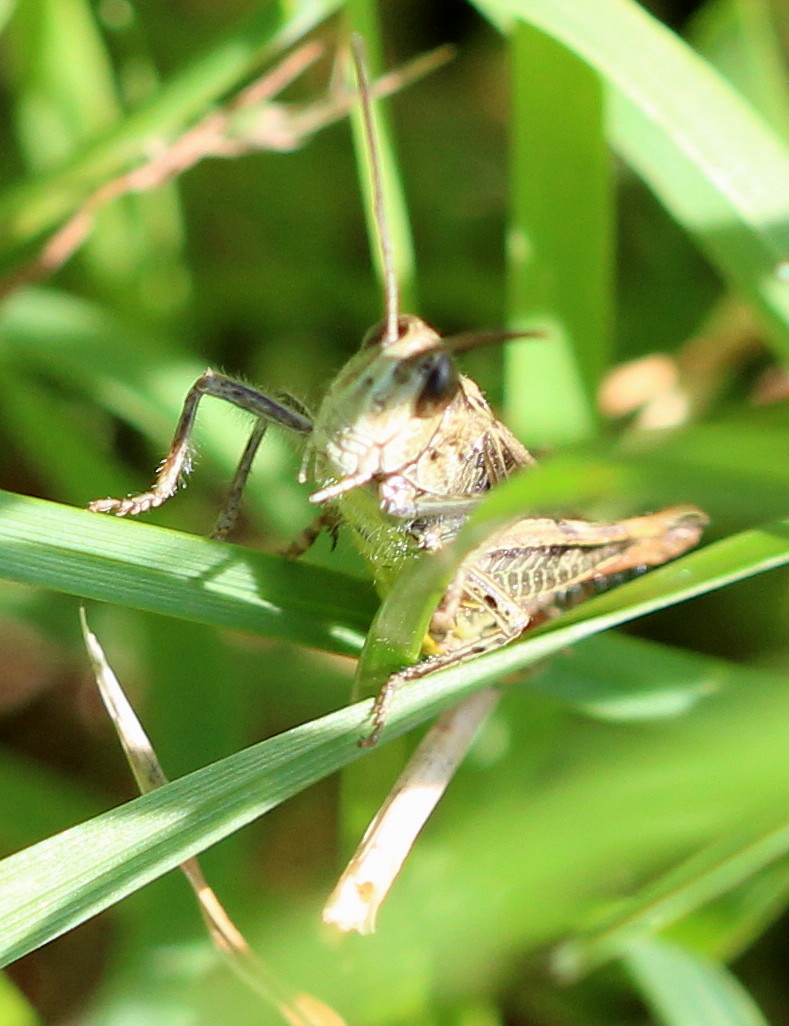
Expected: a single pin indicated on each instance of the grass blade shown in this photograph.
(559, 161)
(180, 575)
(35, 207)
(726, 187)
(715, 871)
(686, 989)
(70, 877)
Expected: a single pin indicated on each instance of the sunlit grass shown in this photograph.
(614, 760)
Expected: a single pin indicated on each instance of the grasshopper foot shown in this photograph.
(380, 711)
(132, 505)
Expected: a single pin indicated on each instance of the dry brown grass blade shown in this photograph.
(248, 122)
(296, 1008)
(361, 890)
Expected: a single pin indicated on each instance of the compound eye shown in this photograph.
(440, 387)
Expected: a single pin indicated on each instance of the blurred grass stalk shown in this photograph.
(34, 208)
(714, 164)
(560, 267)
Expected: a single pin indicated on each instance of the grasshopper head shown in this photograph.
(382, 409)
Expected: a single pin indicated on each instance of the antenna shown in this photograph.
(391, 290)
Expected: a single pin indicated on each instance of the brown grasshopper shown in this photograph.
(403, 448)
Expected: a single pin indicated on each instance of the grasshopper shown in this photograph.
(403, 448)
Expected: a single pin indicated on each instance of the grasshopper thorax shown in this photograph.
(382, 410)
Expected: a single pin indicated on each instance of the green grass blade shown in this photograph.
(623, 679)
(83, 870)
(688, 469)
(70, 877)
(714, 164)
(63, 80)
(714, 871)
(741, 40)
(559, 267)
(67, 93)
(150, 568)
(686, 989)
(6, 10)
(180, 575)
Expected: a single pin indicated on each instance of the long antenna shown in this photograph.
(391, 289)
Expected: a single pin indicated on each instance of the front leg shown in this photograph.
(284, 411)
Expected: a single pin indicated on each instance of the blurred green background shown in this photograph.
(620, 759)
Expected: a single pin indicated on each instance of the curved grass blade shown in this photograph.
(69, 878)
(684, 988)
(714, 871)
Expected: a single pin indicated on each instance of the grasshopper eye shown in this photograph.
(440, 387)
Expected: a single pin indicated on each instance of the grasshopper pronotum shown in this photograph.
(402, 449)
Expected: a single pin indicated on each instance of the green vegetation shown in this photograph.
(616, 846)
